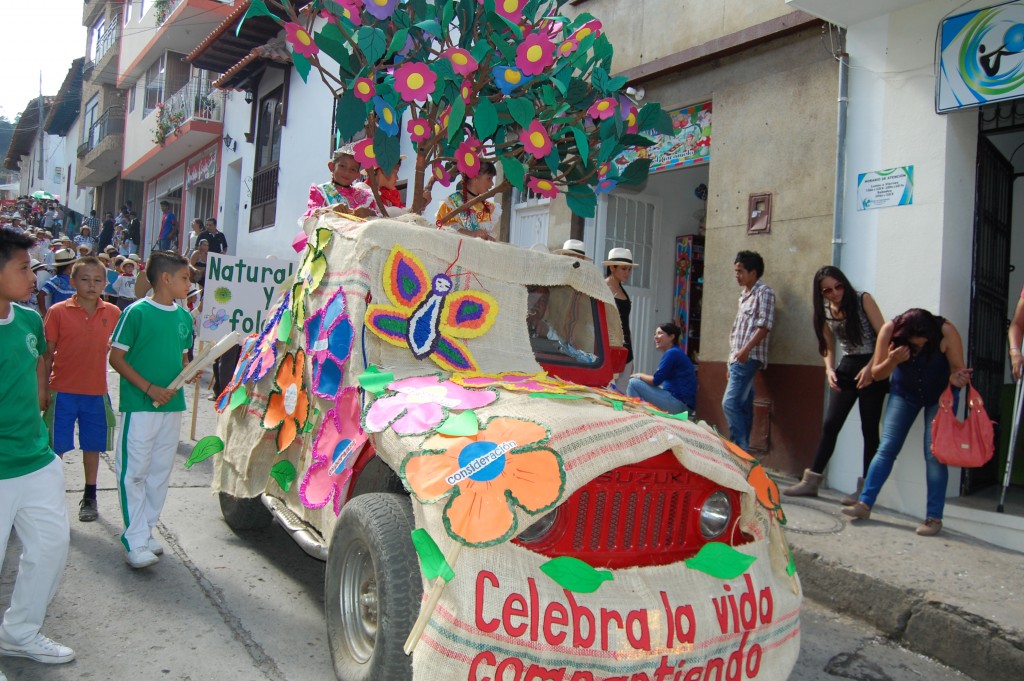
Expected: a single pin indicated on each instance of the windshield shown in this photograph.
(562, 325)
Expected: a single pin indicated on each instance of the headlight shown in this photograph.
(714, 515)
(539, 530)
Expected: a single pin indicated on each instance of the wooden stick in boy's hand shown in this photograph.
(193, 368)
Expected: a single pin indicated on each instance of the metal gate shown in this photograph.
(986, 346)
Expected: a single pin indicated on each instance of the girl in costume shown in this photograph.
(344, 189)
(481, 220)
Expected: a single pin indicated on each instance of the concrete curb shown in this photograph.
(968, 643)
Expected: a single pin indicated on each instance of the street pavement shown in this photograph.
(219, 605)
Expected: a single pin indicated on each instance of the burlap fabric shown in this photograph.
(501, 617)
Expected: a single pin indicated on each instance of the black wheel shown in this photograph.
(244, 515)
(372, 589)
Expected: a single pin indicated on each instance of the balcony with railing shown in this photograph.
(100, 150)
(102, 67)
(197, 100)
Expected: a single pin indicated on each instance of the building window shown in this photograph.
(268, 154)
(131, 97)
(128, 11)
(96, 39)
(90, 114)
(154, 85)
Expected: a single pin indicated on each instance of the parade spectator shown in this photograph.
(134, 232)
(199, 261)
(86, 239)
(124, 287)
(673, 387)
(148, 350)
(748, 345)
(481, 219)
(77, 335)
(851, 319)
(106, 237)
(168, 227)
(1015, 336)
(31, 476)
(193, 237)
(217, 241)
(92, 222)
(923, 353)
(58, 287)
(344, 190)
(618, 267)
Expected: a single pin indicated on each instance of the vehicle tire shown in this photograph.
(372, 589)
(244, 515)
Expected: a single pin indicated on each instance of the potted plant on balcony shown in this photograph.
(168, 122)
(161, 8)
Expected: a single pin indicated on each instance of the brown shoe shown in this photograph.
(807, 487)
(859, 511)
(930, 527)
(851, 498)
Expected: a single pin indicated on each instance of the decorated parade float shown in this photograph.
(426, 412)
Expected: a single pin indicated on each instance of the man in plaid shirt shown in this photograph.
(748, 345)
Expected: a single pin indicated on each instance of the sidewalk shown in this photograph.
(950, 597)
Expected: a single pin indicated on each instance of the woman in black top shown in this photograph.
(618, 267)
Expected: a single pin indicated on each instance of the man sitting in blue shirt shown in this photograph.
(673, 387)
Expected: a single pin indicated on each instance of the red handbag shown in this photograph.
(967, 443)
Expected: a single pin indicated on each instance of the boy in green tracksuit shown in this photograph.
(148, 349)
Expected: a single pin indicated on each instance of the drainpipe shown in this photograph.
(840, 192)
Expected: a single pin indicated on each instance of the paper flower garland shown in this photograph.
(414, 81)
(484, 476)
(364, 89)
(535, 140)
(461, 60)
(300, 40)
(535, 54)
(336, 447)
(419, 404)
(329, 342)
(288, 404)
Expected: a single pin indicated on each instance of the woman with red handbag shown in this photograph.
(922, 353)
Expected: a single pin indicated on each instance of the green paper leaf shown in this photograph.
(302, 65)
(616, 404)
(284, 327)
(582, 143)
(238, 398)
(516, 31)
(553, 159)
(430, 26)
(284, 473)
(617, 83)
(388, 150)
(721, 561)
(653, 117)
(791, 568)
(557, 396)
(521, 110)
(432, 561)
(582, 200)
(372, 42)
(462, 424)
(515, 171)
(204, 449)
(256, 8)
(574, 575)
(350, 115)
(632, 140)
(397, 42)
(456, 117)
(681, 416)
(374, 381)
(485, 118)
(332, 41)
(635, 173)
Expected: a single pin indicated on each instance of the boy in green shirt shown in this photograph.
(31, 475)
(149, 349)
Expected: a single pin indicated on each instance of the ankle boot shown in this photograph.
(807, 487)
(851, 498)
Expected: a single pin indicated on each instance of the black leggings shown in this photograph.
(839, 405)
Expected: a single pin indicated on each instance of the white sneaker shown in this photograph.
(155, 547)
(140, 558)
(40, 649)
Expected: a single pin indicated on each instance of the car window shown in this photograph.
(562, 326)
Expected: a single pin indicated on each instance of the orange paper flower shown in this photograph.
(288, 405)
(767, 492)
(484, 476)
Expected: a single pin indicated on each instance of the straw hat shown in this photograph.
(63, 256)
(102, 256)
(573, 247)
(85, 249)
(134, 257)
(36, 265)
(620, 256)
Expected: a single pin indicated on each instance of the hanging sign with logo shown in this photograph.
(981, 58)
(201, 169)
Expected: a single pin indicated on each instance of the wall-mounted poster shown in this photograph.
(885, 188)
(690, 145)
(981, 57)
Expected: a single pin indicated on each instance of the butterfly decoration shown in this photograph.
(216, 318)
(427, 315)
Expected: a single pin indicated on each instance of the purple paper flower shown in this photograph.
(380, 9)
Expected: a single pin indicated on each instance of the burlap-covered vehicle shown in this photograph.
(424, 412)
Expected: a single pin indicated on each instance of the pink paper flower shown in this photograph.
(351, 10)
(381, 9)
(535, 54)
(466, 90)
(419, 129)
(301, 41)
(462, 61)
(364, 89)
(419, 404)
(414, 81)
(441, 174)
(535, 140)
(602, 108)
(629, 116)
(467, 157)
(542, 187)
(364, 153)
(512, 380)
(335, 449)
(567, 47)
(510, 9)
(592, 27)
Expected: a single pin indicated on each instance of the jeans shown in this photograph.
(738, 401)
(659, 397)
(164, 244)
(872, 398)
(900, 415)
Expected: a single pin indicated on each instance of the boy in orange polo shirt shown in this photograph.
(77, 339)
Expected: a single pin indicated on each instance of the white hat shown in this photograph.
(134, 257)
(63, 256)
(36, 265)
(573, 247)
(620, 256)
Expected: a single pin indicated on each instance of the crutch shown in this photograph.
(1013, 442)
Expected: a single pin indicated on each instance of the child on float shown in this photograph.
(344, 189)
(481, 219)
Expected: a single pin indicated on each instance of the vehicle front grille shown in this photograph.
(614, 520)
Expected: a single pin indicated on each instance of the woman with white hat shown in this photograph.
(618, 267)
